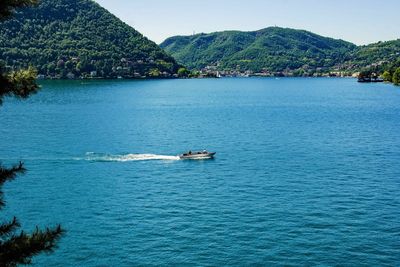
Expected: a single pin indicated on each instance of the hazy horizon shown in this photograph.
(354, 21)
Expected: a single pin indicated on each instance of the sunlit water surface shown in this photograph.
(307, 171)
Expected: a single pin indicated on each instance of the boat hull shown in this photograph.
(198, 155)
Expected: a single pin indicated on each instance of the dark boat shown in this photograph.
(197, 155)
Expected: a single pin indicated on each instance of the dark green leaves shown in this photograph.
(7, 7)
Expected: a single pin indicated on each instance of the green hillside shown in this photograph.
(272, 49)
(79, 38)
(382, 58)
(375, 55)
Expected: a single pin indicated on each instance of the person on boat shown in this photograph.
(190, 152)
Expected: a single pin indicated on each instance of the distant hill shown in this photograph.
(381, 58)
(66, 38)
(375, 55)
(272, 49)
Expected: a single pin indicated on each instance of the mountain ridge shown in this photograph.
(81, 39)
(276, 50)
(72, 38)
(273, 47)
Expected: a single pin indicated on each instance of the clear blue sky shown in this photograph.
(358, 21)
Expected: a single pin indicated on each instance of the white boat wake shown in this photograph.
(91, 156)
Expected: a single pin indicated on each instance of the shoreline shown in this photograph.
(190, 78)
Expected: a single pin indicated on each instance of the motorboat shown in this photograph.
(197, 155)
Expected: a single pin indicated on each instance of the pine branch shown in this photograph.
(8, 175)
(21, 83)
(7, 229)
(20, 249)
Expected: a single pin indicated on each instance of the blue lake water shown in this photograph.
(307, 171)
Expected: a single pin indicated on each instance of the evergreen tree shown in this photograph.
(396, 77)
(19, 83)
(387, 77)
(19, 248)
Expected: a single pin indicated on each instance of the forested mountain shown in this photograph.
(73, 38)
(381, 58)
(272, 49)
(78, 38)
(375, 55)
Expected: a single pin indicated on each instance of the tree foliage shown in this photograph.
(375, 56)
(20, 83)
(7, 7)
(183, 72)
(387, 70)
(396, 77)
(19, 248)
(387, 77)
